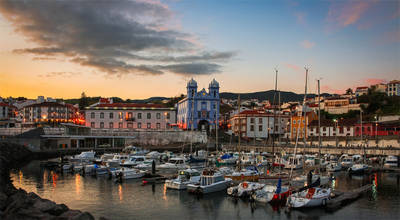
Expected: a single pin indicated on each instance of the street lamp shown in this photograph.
(336, 132)
(376, 126)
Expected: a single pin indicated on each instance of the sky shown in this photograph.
(142, 48)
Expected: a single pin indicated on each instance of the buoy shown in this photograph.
(144, 182)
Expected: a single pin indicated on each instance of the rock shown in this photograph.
(44, 205)
(84, 216)
(103, 218)
(3, 201)
(70, 214)
(58, 210)
(28, 213)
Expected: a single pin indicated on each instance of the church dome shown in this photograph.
(192, 83)
(214, 84)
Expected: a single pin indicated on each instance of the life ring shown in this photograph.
(245, 185)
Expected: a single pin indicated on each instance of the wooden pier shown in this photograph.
(341, 198)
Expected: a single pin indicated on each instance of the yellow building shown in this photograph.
(299, 124)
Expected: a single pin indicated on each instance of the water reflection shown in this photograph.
(131, 200)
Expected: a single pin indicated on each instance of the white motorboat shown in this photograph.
(333, 167)
(128, 173)
(244, 189)
(294, 162)
(89, 168)
(346, 162)
(358, 168)
(184, 178)
(271, 193)
(133, 161)
(78, 167)
(145, 165)
(174, 163)
(67, 167)
(391, 161)
(117, 160)
(84, 156)
(312, 197)
(210, 181)
(104, 158)
(153, 155)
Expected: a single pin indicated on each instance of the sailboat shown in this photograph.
(272, 194)
(312, 195)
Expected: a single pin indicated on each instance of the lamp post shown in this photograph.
(336, 123)
(376, 126)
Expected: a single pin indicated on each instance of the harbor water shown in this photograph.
(132, 200)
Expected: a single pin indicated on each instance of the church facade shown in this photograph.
(200, 107)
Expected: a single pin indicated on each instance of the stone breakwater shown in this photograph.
(17, 203)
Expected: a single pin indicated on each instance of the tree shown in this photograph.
(83, 101)
(349, 91)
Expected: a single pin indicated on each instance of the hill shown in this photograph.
(268, 95)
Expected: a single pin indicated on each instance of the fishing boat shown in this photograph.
(391, 161)
(272, 194)
(200, 157)
(174, 163)
(117, 160)
(359, 168)
(210, 181)
(333, 167)
(226, 159)
(311, 197)
(250, 173)
(244, 189)
(184, 178)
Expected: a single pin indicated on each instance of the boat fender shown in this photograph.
(245, 185)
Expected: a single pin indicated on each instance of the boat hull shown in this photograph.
(215, 187)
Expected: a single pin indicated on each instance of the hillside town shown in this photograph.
(342, 115)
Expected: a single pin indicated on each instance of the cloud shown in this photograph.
(307, 44)
(374, 81)
(345, 13)
(193, 68)
(115, 37)
(293, 67)
(59, 74)
(328, 89)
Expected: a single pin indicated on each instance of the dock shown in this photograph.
(342, 198)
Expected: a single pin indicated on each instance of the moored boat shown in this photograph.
(210, 181)
(184, 177)
(244, 189)
(272, 194)
(311, 197)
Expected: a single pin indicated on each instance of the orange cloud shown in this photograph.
(307, 44)
(293, 67)
(343, 14)
(374, 81)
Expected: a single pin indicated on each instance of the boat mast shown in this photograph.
(319, 125)
(216, 125)
(240, 132)
(305, 114)
(274, 103)
(191, 124)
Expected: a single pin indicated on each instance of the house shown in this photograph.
(393, 88)
(49, 112)
(339, 105)
(332, 128)
(109, 115)
(299, 124)
(363, 90)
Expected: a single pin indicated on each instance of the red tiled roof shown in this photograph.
(137, 105)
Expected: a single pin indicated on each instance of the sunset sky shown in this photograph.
(143, 48)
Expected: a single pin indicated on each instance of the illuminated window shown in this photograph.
(168, 115)
(120, 115)
(120, 125)
(130, 125)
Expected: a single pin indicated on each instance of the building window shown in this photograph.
(294, 121)
(260, 128)
(139, 115)
(252, 120)
(120, 125)
(111, 125)
(102, 124)
(168, 115)
(203, 105)
(148, 125)
(111, 115)
(120, 115)
(130, 125)
(213, 106)
(158, 125)
(260, 120)
(92, 115)
(101, 114)
(251, 127)
(158, 115)
(139, 125)
(323, 128)
(130, 115)
(148, 115)
(92, 125)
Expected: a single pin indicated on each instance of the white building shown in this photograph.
(108, 115)
(332, 128)
(49, 112)
(258, 124)
(393, 88)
